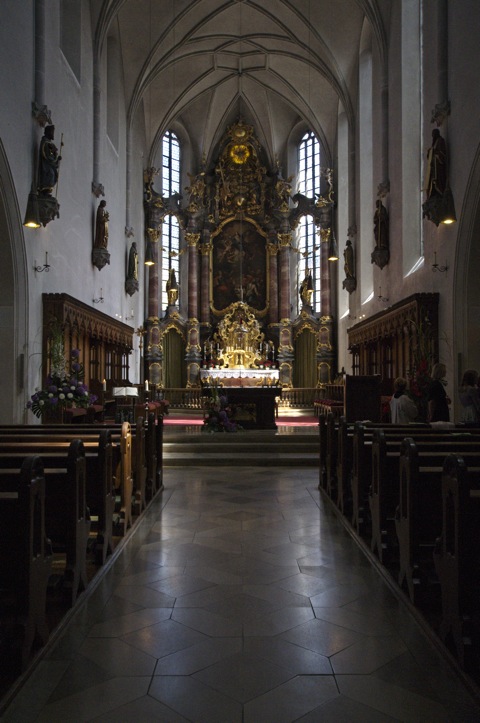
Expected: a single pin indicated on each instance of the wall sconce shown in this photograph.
(46, 265)
(448, 215)
(149, 260)
(332, 248)
(437, 267)
(32, 214)
(100, 298)
(380, 297)
(130, 316)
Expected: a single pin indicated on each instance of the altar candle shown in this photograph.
(146, 385)
(104, 385)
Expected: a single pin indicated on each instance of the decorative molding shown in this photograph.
(100, 258)
(383, 189)
(72, 313)
(97, 189)
(440, 113)
(129, 231)
(42, 114)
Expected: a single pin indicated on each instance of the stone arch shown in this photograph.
(13, 301)
(466, 293)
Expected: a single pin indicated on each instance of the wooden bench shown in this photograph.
(418, 519)
(66, 519)
(25, 560)
(385, 490)
(99, 460)
(124, 478)
(457, 561)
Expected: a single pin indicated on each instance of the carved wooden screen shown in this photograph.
(391, 342)
(104, 343)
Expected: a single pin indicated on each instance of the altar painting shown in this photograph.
(239, 266)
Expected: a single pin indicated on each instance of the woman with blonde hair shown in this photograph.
(437, 397)
(469, 397)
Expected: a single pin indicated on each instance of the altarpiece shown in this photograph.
(239, 220)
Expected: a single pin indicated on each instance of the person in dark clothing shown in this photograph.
(438, 401)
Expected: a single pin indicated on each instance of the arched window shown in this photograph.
(171, 231)
(308, 182)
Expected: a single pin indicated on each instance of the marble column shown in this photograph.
(192, 240)
(272, 250)
(205, 250)
(285, 241)
(152, 236)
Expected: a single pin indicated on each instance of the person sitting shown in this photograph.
(403, 409)
(469, 397)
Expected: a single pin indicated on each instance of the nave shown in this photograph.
(242, 597)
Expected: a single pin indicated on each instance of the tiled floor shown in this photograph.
(242, 598)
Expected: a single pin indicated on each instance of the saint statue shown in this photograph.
(172, 288)
(436, 168)
(48, 162)
(380, 226)
(132, 272)
(349, 263)
(306, 289)
(101, 227)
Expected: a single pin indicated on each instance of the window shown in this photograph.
(171, 230)
(71, 34)
(308, 181)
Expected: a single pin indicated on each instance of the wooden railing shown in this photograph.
(194, 397)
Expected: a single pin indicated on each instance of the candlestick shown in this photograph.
(146, 385)
(104, 385)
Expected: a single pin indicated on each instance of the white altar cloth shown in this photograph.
(258, 375)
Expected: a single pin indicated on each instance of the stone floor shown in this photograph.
(242, 598)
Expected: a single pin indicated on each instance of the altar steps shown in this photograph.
(255, 449)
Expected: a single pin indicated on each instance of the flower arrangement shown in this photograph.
(218, 414)
(64, 386)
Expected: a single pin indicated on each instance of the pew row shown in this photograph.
(67, 524)
(457, 561)
(25, 562)
(418, 517)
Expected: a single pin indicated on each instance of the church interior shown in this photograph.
(275, 202)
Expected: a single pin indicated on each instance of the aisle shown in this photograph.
(241, 597)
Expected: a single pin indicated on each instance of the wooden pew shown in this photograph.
(385, 491)
(331, 456)
(100, 493)
(322, 451)
(135, 478)
(25, 559)
(418, 519)
(66, 521)
(457, 561)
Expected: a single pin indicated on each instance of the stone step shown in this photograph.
(227, 459)
(255, 448)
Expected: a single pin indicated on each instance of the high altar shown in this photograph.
(233, 318)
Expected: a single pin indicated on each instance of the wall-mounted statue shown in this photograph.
(47, 176)
(172, 288)
(381, 232)
(131, 282)
(100, 255)
(49, 162)
(436, 168)
(306, 289)
(349, 282)
(439, 205)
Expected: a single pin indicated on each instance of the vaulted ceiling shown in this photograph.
(275, 63)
